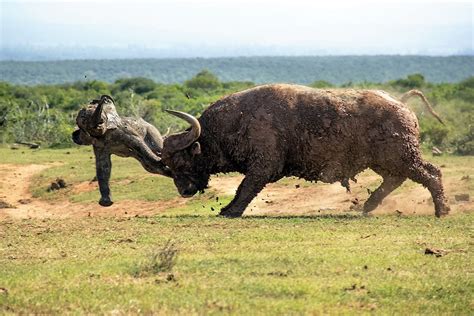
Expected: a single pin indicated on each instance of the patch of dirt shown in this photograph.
(322, 198)
(85, 186)
(290, 198)
(280, 199)
(19, 203)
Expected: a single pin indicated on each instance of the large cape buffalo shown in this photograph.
(272, 131)
(101, 126)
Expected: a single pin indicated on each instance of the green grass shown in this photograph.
(321, 264)
(256, 265)
(75, 165)
(24, 155)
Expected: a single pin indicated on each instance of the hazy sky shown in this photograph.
(243, 27)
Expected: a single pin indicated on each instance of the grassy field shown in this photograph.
(185, 260)
(332, 264)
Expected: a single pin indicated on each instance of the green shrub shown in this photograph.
(138, 85)
(434, 134)
(46, 113)
(411, 82)
(321, 84)
(464, 144)
(466, 90)
(204, 80)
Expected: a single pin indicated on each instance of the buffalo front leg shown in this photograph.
(248, 189)
(389, 184)
(103, 167)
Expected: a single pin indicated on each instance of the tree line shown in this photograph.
(296, 69)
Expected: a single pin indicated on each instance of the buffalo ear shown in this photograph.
(196, 148)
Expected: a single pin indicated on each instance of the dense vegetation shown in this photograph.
(46, 113)
(334, 69)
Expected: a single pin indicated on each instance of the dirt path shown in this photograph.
(291, 199)
(327, 198)
(14, 190)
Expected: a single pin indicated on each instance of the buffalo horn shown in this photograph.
(186, 139)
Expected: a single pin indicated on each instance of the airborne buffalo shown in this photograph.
(100, 125)
(273, 131)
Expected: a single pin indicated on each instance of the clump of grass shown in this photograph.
(159, 260)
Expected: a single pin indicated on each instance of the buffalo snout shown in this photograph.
(185, 188)
(76, 137)
(81, 138)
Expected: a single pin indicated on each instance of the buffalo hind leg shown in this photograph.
(248, 189)
(389, 184)
(430, 177)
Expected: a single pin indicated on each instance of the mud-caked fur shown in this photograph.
(109, 133)
(272, 131)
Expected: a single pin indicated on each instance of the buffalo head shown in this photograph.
(182, 155)
(94, 120)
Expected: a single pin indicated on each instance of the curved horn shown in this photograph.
(186, 139)
(167, 132)
(98, 110)
(106, 96)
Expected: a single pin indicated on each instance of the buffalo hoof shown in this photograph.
(230, 214)
(105, 202)
(443, 212)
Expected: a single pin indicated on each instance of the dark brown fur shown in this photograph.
(273, 131)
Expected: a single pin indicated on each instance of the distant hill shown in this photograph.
(335, 69)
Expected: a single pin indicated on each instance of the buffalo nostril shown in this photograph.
(188, 192)
(76, 139)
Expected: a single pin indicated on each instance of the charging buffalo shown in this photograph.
(272, 131)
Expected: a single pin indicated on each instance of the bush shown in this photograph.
(434, 134)
(466, 90)
(159, 260)
(321, 84)
(411, 82)
(204, 80)
(138, 85)
(45, 126)
(464, 144)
